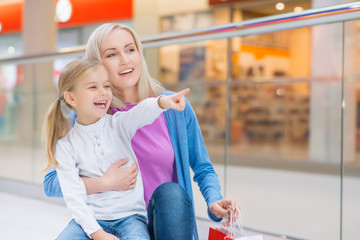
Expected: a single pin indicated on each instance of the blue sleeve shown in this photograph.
(204, 172)
(51, 183)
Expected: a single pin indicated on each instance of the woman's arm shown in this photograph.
(205, 174)
(51, 184)
(116, 178)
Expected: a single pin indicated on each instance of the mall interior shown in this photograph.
(274, 85)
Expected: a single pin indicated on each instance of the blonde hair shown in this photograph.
(56, 125)
(147, 86)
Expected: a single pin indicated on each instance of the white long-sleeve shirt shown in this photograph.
(88, 151)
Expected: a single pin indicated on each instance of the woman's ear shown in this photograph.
(69, 98)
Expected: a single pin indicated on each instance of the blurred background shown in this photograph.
(275, 86)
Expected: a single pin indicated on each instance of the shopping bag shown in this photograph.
(216, 234)
(229, 232)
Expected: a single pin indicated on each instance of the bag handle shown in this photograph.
(233, 223)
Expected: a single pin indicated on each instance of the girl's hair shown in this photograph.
(56, 124)
(147, 86)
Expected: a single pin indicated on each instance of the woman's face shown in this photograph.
(122, 59)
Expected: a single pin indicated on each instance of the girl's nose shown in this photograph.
(102, 91)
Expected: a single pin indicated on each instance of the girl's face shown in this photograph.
(91, 97)
(122, 59)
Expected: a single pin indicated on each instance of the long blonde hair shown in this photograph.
(147, 86)
(56, 125)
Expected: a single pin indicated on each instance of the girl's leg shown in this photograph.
(133, 227)
(73, 231)
(170, 213)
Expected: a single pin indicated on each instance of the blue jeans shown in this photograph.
(132, 227)
(170, 217)
(170, 213)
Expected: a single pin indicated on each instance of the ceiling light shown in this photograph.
(280, 6)
(63, 10)
(11, 49)
(298, 9)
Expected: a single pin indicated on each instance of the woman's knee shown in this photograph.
(172, 196)
(171, 192)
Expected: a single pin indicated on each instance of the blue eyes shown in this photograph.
(130, 50)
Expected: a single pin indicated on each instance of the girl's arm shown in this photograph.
(73, 188)
(146, 111)
(115, 179)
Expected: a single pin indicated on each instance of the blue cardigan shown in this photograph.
(189, 149)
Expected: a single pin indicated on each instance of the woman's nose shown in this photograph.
(123, 59)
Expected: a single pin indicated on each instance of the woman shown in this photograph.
(165, 149)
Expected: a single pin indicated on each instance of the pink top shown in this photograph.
(154, 152)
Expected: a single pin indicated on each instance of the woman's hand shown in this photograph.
(120, 179)
(116, 178)
(102, 235)
(175, 101)
(220, 208)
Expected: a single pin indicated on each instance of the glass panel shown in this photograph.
(26, 92)
(16, 125)
(351, 136)
(285, 124)
(202, 67)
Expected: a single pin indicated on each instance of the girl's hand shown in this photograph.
(175, 101)
(102, 235)
(220, 208)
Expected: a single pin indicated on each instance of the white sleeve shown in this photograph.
(73, 189)
(144, 113)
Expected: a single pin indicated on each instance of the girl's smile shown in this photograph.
(91, 97)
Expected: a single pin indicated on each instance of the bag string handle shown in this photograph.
(234, 222)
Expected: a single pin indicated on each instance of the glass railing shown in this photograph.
(277, 99)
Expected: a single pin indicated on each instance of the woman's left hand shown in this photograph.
(220, 208)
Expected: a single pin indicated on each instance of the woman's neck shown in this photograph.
(129, 96)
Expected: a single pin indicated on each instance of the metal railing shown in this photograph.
(306, 18)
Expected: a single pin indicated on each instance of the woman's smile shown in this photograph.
(126, 71)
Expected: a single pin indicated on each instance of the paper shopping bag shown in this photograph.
(254, 237)
(230, 233)
(216, 234)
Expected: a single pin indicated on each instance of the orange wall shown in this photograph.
(83, 12)
(11, 17)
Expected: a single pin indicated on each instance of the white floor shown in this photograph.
(38, 219)
(298, 204)
(28, 218)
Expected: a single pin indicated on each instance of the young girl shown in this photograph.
(95, 142)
